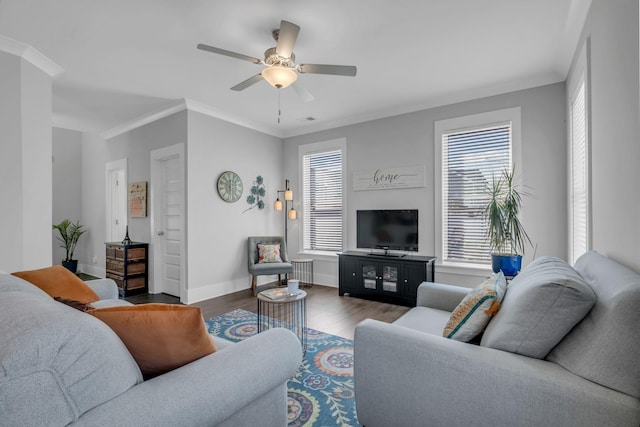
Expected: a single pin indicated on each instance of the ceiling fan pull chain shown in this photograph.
(279, 111)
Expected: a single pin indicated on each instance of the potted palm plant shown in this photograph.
(69, 234)
(506, 235)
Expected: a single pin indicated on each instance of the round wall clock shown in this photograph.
(229, 186)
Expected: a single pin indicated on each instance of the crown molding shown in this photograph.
(434, 102)
(189, 105)
(207, 110)
(31, 55)
(143, 120)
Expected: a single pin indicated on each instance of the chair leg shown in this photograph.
(254, 285)
(279, 280)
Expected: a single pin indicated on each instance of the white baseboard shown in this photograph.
(214, 290)
(93, 270)
(219, 289)
(325, 280)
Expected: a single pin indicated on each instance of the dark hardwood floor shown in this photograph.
(326, 311)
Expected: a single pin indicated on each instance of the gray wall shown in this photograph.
(615, 132)
(136, 146)
(217, 230)
(401, 141)
(408, 140)
(11, 163)
(94, 154)
(67, 187)
(25, 164)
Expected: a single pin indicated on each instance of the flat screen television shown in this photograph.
(387, 229)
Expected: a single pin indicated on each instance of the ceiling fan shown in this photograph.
(280, 68)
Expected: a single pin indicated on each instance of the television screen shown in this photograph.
(387, 229)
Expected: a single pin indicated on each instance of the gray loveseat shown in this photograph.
(407, 374)
(60, 366)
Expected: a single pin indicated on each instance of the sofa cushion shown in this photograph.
(272, 268)
(160, 337)
(424, 319)
(604, 347)
(57, 281)
(475, 310)
(57, 363)
(268, 253)
(543, 303)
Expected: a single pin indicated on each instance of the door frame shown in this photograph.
(158, 156)
(110, 168)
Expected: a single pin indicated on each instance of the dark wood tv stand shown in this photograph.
(389, 278)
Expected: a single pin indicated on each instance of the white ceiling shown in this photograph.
(125, 59)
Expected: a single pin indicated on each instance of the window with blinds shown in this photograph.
(322, 201)
(470, 160)
(578, 185)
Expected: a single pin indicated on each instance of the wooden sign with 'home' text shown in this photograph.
(388, 178)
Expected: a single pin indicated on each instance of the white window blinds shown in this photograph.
(578, 209)
(322, 201)
(470, 159)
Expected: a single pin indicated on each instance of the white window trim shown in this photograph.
(458, 124)
(580, 73)
(318, 147)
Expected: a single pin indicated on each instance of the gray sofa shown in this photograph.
(407, 374)
(60, 367)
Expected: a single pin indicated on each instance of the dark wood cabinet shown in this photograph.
(387, 278)
(128, 266)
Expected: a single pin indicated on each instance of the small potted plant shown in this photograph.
(506, 235)
(69, 234)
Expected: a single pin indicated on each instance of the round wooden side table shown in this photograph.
(278, 309)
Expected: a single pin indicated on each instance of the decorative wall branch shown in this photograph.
(257, 192)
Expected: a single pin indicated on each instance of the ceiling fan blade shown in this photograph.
(287, 36)
(302, 91)
(336, 70)
(229, 53)
(245, 84)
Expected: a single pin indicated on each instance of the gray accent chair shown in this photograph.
(60, 367)
(408, 374)
(266, 269)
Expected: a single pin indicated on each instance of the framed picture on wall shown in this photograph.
(137, 199)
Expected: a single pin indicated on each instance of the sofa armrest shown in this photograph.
(209, 390)
(406, 377)
(105, 288)
(442, 297)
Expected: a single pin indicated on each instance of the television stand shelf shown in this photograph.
(386, 278)
(385, 255)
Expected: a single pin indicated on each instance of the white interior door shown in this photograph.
(116, 179)
(167, 184)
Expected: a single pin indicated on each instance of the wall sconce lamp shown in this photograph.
(289, 213)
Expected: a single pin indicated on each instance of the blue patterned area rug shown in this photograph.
(321, 392)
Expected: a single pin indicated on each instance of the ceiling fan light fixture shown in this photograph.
(279, 76)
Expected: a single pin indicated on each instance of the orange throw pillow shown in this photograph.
(160, 337)
(57, 281)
